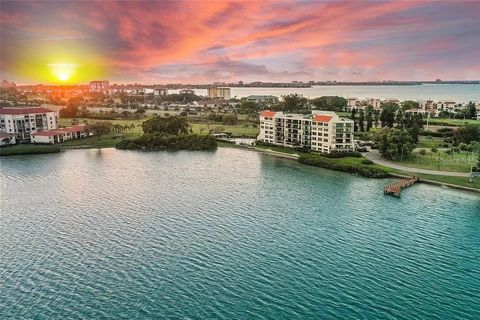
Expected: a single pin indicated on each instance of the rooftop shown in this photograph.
(14, 111)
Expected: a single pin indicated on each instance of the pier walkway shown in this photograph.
(394, 189)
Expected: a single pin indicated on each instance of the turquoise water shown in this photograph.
(230, 234)
(456, 92)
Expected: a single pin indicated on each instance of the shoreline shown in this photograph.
(391, 174)
(289, 156)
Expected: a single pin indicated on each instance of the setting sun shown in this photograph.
(63, 71)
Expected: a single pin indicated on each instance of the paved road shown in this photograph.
(375, 156)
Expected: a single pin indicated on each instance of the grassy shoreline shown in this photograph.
(461, 183)
(109, 141)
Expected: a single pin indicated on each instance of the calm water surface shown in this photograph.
(456, 92)
(231, 234)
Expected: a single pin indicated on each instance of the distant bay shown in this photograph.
(456, 92)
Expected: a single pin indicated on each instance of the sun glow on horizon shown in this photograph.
(63, 71)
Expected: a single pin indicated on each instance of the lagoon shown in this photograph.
(229, 234)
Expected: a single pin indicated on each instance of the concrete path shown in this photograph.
(375, 156)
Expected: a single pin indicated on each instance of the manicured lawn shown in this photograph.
(457, 162)
(106, 141)
(429, 142)
(198, 128)
(23, 149)
(236, 129)
(452, 122)
(67, 122)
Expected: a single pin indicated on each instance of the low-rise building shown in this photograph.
(160, 92)
(187, 91)
(59, 135)
(262, 99)
(7, 139)
(22, 122)
(219, 93)
(322, 131)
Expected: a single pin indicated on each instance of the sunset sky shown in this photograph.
(198, 42)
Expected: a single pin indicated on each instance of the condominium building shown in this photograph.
(322, 131)
(24, 121)
(219, 93)
(59, 135)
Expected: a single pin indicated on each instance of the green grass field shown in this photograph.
(24, 149)
(457, 162)
(67, 122)
(236, 129)
(429, 142)
(452, 122)
(198, 128)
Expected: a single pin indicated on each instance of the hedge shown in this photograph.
(336, 164)
(169, 142)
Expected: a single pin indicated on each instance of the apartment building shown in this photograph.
(322, 131)
(22, 122)
(59, 135)
(218, 93)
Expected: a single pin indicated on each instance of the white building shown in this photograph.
(219, 93)
(322, 131)
(352, 103)
(99, 86)
(160, 92)
(449, 106)
(7, 139)
(59, 135)
(262, 99)
(24, 121)
(187, 91)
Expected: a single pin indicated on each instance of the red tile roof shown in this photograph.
(24, 110)
(267, 113)
(322, 118)
(59, 131)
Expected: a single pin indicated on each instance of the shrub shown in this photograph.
(434, 149)
(463, 146)
(341, 154)
(167, 142)
(422, 152)
(367, 161)
(335, 164)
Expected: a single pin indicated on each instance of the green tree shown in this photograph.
(369, 118)
(294, 102)
(400, 119)
(361, 120)
(247, 107)
(387, 116)
(471, 111)
(353, 116)
(409, 104)
(99, 128)
(376, 118)
(330, 103)
(394, 143)
(467, 134)
(230, 119)
(168, 126)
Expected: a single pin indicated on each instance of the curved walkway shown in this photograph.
(375, 156)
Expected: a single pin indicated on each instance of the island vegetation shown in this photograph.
(168, 133)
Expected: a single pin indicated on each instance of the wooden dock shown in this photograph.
(394, 189)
